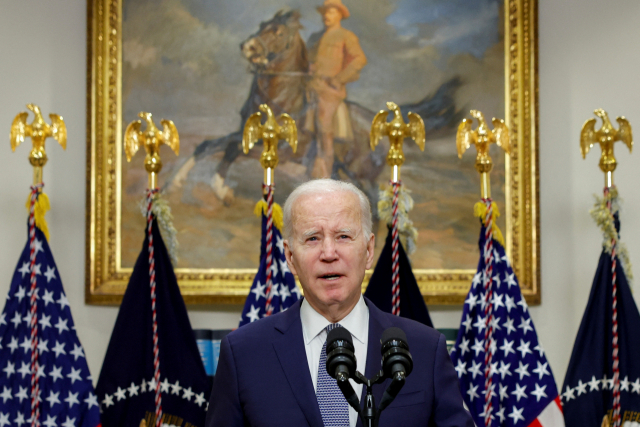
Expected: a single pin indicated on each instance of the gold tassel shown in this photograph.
(39, 211)
(480, 211)
(261, 207)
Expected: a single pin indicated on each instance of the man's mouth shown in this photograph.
(331, 276)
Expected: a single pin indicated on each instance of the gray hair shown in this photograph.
(326, 186)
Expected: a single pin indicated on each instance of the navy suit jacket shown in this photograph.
(263, 377)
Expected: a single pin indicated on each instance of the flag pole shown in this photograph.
(606, 136)
(396, 130)
(271, 132)
(39, 131)
(151, 139)
(482, 138)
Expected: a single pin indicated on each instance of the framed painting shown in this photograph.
(208, 64)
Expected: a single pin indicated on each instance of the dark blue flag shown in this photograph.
(126, 387)
(523, 391)
(588, 386)
(284, 291)
(379, 290)
(66, 391)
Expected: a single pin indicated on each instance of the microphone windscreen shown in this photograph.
(393, 334)
(339, 333)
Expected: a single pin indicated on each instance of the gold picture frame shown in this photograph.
(106, 279)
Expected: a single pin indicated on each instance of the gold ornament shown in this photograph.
(39, 131)
(606, 136)
(397, 130)
(151, 139)
(270, 132)
(482, 137)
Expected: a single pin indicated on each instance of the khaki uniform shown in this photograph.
(336, 54)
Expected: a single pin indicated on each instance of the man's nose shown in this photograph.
(329, 252)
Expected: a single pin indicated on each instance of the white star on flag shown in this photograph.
(50, 273)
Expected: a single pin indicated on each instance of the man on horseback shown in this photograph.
(336, 59)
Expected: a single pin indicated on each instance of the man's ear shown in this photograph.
(288, 254)
(371, 245)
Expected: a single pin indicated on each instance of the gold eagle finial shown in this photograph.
(397, 130)
(270, 132)
(39, 131)
(151, 139)
(606, 136)
(482, 138)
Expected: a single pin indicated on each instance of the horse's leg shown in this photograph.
(231, 153)
(179, 177)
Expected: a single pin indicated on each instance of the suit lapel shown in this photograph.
(377, 324)
(293, 359)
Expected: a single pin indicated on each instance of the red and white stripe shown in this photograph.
(35, 388)
(616, 359)
(395, 267)
(551, 415)
(269, 248)
(488, 310)
(152, 281)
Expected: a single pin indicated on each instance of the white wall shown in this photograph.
(588, 59)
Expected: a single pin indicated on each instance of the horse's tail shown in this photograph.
(213, 146)
(438, 110)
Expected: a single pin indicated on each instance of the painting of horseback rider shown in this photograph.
(331, 65)
(336, 59)
(309, 83)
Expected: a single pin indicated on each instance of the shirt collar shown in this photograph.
(356, 322)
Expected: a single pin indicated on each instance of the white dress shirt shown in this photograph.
(314, 334)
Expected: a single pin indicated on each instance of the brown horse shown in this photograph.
(278, 59)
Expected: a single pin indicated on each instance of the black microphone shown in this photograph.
(397, 363)
(341, 360)
(341, 363)
(396, 359)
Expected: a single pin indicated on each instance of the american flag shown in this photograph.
(284, 291)
(510, 363)
(66, 394)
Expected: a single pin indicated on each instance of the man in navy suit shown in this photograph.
(271, 372)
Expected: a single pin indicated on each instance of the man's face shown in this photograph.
(328, 250)
(331, 16)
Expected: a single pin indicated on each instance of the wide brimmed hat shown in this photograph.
(334, 3)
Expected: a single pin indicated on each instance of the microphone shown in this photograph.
(397, 363)
(341, 360)
(341, 363)
(396, 359)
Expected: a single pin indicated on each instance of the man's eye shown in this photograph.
(312, 239)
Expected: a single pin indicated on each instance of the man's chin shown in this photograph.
(339, 297)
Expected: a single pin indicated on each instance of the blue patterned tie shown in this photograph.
(333, 406)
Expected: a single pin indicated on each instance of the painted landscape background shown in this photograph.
(182, 61)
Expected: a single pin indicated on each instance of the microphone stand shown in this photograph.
(369, 414)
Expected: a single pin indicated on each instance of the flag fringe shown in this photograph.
(40, 210)
(162, 212)
(605, 220)
(408, 233)
(261, 208)
(480, 211)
